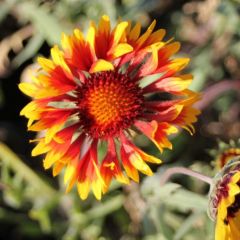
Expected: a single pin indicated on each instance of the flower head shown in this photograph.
(225, 202)
(225, 153)
(95, 91)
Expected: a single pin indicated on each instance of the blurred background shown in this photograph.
(33, 205)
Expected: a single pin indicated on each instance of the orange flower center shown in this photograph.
(109, 102)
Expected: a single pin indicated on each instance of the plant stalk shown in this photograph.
(182, 170)
(10, 158)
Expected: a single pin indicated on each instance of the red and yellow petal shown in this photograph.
(101, 65)
(130, 169)
(142, 39)
(170, 84)
(134, 159)
(157, 132)
(110, 167)
(88, 174)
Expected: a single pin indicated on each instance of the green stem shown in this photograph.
(106, 207)
(182, 170)
(10, 158)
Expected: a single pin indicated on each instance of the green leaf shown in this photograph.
(105, 208)
(151, 187)
(172, 195)
(165, 229)
(185, 200)
(42, 216)
(9, 158)
(5, 7)
(44, 21)
(187, 225)
(29, 51)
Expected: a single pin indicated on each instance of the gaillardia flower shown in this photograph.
(225, 153)
(94, 92)
(226, 156)
(225, 202)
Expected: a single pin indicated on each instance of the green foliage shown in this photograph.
(36, 206)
